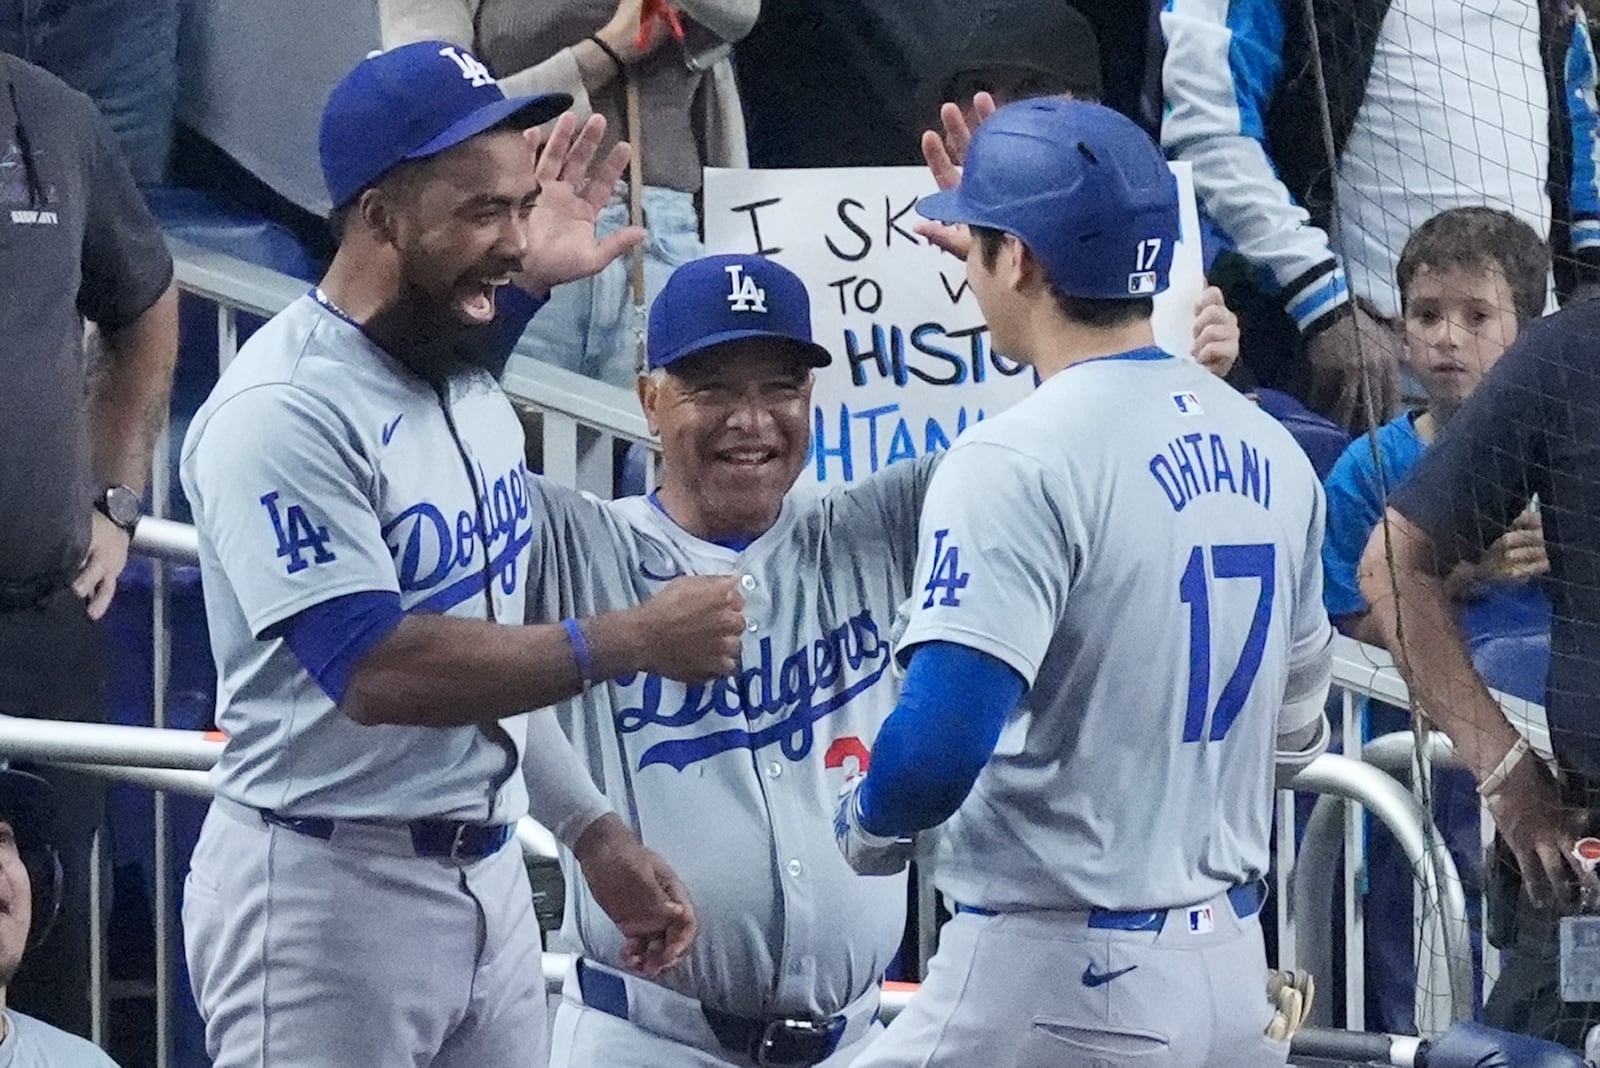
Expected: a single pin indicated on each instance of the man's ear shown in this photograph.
(377, 211)
(1028, 273)
(649, 397)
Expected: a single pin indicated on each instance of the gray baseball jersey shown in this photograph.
(31, 1043)
(734, 783)
(320, 467)
(1142, 545)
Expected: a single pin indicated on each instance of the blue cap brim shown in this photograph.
(815, 355)
(529, 111)
(947, 207)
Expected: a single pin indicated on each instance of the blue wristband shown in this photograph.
(580, 650)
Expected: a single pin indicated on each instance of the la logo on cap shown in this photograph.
(472, 69)
(743, 293)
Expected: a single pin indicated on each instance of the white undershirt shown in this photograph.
(1456, 113)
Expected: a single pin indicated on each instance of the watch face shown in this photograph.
(122, 506)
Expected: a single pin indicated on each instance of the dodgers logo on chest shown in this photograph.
(774, 702)
(429, 547)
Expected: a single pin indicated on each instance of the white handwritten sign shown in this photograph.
(912, 364)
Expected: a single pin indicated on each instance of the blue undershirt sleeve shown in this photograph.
(942, 732)
(331, 638)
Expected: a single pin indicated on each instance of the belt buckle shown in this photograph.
(776, 1048)
(455, 843)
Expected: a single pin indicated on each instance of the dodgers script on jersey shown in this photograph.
(1142, 544)
(734, 783)
(320, 467)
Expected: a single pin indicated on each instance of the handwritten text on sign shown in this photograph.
(912, 361)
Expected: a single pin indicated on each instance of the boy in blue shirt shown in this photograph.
(1470, 279)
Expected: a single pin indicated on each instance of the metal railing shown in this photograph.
(1442, 951)
(178, 761)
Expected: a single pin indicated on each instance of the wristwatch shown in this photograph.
(122, 506)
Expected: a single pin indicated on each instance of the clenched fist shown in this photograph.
(691, 630)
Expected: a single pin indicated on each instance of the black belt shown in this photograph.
(23, 594)
(771, 1042)
(449, 839)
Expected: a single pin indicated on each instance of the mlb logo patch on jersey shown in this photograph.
(1187, 404)
(1201, 920)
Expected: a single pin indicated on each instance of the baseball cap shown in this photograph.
(26, 801)
(1049, 41)
(1083, 187)
(410, 103)
(718, 299)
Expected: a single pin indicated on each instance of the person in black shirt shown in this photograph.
(77, 427)
(1530, 434)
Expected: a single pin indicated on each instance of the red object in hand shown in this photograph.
(657, 9)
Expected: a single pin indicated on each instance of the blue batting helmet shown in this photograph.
(1084, 188)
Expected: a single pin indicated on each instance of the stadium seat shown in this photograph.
(1517, 663)
(204, 220)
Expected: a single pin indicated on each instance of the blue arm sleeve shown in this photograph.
(939, 737)
(331, 638)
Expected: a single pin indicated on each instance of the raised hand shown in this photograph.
(573, 188)
(945, 155)
(1216, 333)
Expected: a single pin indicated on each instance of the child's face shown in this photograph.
(1459, 322)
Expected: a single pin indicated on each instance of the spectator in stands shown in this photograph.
(689, 116)
(1470, 278)
(1432, 105)
(123, 54)
(802, 60)
(76, 244)
(1052, 53)
(1528, 432)
(27, 906)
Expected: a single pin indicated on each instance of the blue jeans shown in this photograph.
(122, 53)
(591, 326)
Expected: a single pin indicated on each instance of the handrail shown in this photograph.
(235, 284)
(1372, 672)
(157, 758)
(1338, 777)
(230, 282)
(167, 539)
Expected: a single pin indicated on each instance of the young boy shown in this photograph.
(1470, 278)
